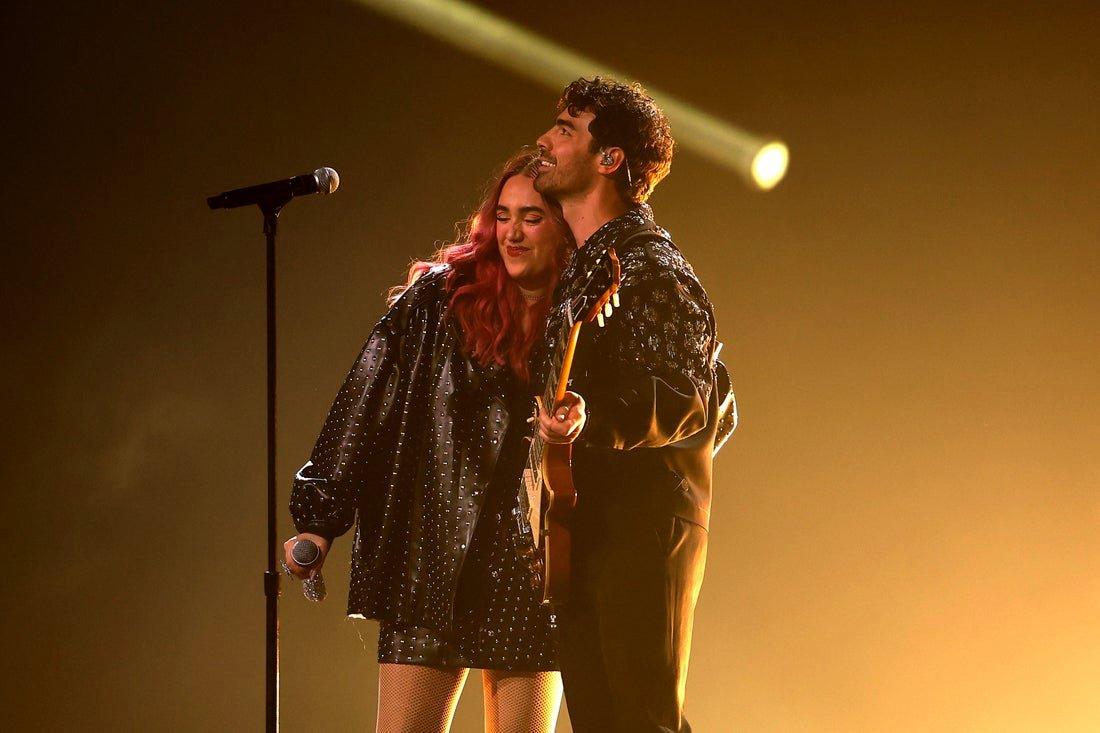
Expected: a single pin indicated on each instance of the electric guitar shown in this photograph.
(547, 496)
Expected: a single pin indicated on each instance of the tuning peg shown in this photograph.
(607, 309)
(615, 298)
(599, 318)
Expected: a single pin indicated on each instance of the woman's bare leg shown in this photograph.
(417, 699)
(521, 702)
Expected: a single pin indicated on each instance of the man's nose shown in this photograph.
(543, 142)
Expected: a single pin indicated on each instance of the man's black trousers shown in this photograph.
(625, 635)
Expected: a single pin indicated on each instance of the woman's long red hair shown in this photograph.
(485, 300)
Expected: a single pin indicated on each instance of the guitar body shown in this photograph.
(559, 500)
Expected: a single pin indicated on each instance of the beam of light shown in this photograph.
(760, 160)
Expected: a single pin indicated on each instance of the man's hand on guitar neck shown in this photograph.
(566, 422)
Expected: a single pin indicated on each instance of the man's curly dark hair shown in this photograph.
(627, 118)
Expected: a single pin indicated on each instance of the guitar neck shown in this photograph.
(557, 383)
(583, 308)
(561, 361)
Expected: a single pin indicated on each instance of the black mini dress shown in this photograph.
(499, 622)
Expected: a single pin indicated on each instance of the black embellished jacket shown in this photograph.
(659, 401)
(409, 444)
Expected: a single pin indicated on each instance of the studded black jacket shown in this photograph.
(660, 403)
(409, 445)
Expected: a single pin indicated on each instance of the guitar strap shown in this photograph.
(646, 227)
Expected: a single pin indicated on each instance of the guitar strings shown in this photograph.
(537, 446)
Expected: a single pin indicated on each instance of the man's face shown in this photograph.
(568, 165)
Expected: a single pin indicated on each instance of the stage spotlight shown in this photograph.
(769, 165)
(762, 162)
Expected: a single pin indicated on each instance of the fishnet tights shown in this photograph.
(418, 699)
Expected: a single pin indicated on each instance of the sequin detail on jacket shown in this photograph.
(410, 444)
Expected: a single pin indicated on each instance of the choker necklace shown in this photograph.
(531, 296)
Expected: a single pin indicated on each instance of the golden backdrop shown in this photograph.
(905, 534)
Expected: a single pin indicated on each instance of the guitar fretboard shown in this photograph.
(554, 378)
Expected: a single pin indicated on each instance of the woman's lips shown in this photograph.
(514, 251)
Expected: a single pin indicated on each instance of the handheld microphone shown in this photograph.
(323, 180)
(306, 553)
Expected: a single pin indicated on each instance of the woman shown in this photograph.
(425, 442)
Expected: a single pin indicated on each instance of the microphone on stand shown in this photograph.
(270, 198)
(323, 180)
(306, 553)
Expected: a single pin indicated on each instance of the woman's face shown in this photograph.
(526, 234)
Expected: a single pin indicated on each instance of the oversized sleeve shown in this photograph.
(651, 384)
(326, 490)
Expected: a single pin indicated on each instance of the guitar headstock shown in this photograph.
(605, 303)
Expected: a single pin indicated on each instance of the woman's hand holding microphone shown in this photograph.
(305, 554)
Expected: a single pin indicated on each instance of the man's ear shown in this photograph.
(610, 160)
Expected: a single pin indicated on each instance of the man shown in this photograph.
(649, 403)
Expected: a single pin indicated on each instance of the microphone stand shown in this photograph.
(271, 210)
(271, 198)
(271, 207)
